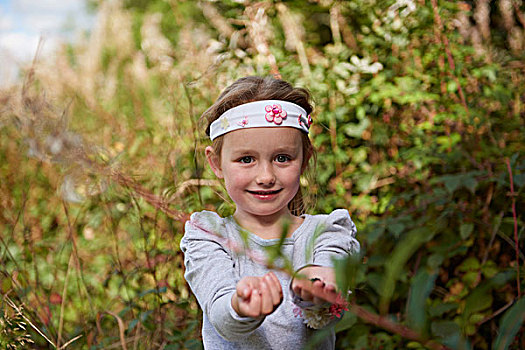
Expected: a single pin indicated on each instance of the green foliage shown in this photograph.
(413, 134)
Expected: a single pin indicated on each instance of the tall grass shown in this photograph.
(102, 160)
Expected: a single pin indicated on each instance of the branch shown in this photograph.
(385, 323)
(514, 216)
(443, 39)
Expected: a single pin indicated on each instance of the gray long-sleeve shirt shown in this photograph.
(214, 264)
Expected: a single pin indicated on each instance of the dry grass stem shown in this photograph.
(259, 33)
(121, 329)
(17, 309)
(71, 341)
(63, 303)
(293, 31)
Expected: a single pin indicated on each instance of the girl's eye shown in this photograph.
(281, 158)
(246, 159)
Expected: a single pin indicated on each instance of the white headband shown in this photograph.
(261, 114)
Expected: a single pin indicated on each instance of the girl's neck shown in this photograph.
(268, 227)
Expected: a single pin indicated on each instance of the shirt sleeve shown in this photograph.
(210, 274)
(337, 239)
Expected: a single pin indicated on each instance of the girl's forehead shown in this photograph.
(271, 137)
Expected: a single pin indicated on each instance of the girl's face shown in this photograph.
(261, 169)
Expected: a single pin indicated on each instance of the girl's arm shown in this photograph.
(337, 241)
(315, 283)
(210, 274)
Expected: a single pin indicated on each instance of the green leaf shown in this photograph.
(132, 324)
(396, 228)
(356, 130)
(452, 86)
(450, 333)
(153, 290)
(394, 266)
(481, 297)
(465, 230)
(470, 183)
(510, 324)
(442, 308)
(422, 285)
(193, 344)
(348, 320)
(6, 285)
(469, 264)
(346, 271)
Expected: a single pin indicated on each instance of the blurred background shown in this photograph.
(418, 123)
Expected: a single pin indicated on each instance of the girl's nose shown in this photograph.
(265, 175)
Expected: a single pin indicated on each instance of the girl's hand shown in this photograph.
(257, 296)
(316, 284)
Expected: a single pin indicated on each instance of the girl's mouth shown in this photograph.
(265, 195)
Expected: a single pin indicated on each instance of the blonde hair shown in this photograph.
(254, 88)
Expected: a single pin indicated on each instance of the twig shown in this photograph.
(496, 313)
(240, 250)
(293, 36)
(149, 197)
(511, 243)
(520, 16)
(63, 303)
(120, 328)
(334, 23)
(71, 237)
(71, 341)
(191, 113)
(443, 38)
(220, 23)
(385, 323)
(257, 32)
(195, 182)
(492, 237)
(513, 196)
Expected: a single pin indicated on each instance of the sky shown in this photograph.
(23, 22)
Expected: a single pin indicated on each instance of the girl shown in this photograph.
(259, 128)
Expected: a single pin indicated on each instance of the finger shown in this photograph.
(331, 287)
(243, 290)
(276, 291)
(299, 284)
(318, 292)
(252, 308)
(306, 294)
(328, 293)
(266, 299)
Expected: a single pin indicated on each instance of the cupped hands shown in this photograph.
(257, 296)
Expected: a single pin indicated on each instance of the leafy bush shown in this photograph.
(419, 127)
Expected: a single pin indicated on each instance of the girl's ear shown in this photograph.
(213, 161)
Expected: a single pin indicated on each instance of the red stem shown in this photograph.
(514, 216)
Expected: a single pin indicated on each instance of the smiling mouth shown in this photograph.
(265, 193)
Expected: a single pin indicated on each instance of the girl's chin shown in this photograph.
(263, 212)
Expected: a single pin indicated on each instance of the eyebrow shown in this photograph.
(248, 152)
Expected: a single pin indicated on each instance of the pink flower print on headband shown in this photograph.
(243, 122)
(275, 114)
